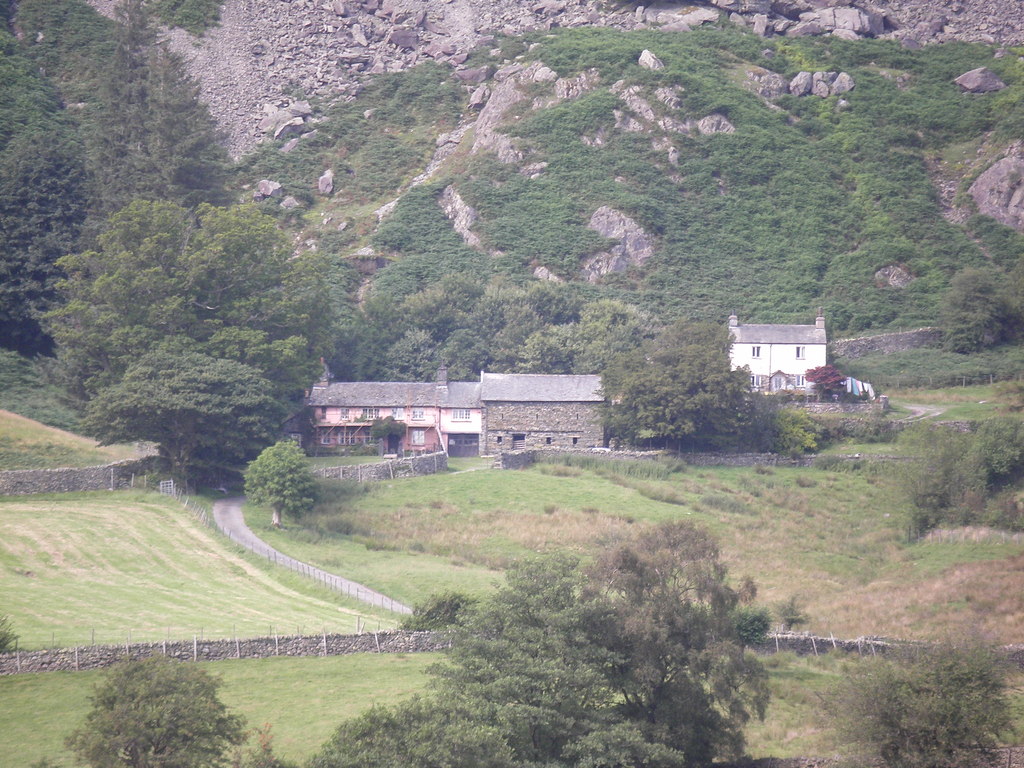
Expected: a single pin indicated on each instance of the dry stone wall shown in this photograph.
(416, 466)
(886, 343)
(109, 477)
(98, 656)
(554, 425)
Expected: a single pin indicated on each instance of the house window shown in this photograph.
(498, 440)
(801, 353)
(325, 439)
(461, 414)
(323, 413)
(418, 437)
(547, 441)
(418, 414)
(369, 414)
(755, 351)
(398, 413)
(800, 382)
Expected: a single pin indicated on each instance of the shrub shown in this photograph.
(441, 611)
(8, 638)
(752, 624)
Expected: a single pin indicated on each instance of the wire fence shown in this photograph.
(261, 549)
(940, 380)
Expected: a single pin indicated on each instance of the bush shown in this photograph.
(441, 611)
(8, 638)
(938, 706)
(752, 624)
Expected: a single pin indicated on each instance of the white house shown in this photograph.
(777, 356)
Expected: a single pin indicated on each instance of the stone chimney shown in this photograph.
(733, 320)
(819, 321)
(442, 376)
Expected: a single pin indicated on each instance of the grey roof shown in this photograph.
(778, 334)
(531, 387)
(396, 394)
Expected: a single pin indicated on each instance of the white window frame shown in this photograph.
(800, 381)
(755, 350)
(462, 414)
(369, 414)
(418, 437)
(801, 353)
(419, 414)
(398, 413)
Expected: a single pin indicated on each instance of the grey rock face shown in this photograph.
(325, 184)
(634, 248)
(980, 80)
(461, 215)
(894, 276)
(266, 188)
(999, 192)
(649, 61)
(800, 85)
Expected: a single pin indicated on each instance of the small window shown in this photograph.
(418, 414)
(800, 382)
(461, 414)
(801, 353)
(575, 441)
(498, 440)
(547, 441)
(398, 413)
(419, 437)
(369, 414)
(755, 351)
(323, 413)
(325, 439)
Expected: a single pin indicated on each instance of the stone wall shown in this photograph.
(879, 408)
(544, 425)
(415, 466)
(525, 458)
(745, 460)
(108, 477)
(886, 343)
(97, 656)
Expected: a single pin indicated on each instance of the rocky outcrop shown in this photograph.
(265, 49)
(999, 192)
(461, 215)
(634, 247)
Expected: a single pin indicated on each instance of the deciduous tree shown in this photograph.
(156, 712)
(280, 478)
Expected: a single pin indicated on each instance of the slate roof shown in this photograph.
(396, 394)
(540, 388)
(777, 334)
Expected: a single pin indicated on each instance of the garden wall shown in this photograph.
(416, 466)
(525, 458)
(109, 477)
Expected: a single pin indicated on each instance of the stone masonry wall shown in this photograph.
(108, 477)
(97, 656)
(845, 407)
(886, 343)
(525, 458)
(540, 422)
(427, 464)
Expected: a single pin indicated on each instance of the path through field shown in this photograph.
(227, 514)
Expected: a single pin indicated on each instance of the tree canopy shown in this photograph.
(222, 278)
(677, 389)
(156, 712)
(280, 478)
(634, 660)
(204, 412)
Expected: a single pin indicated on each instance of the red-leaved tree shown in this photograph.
(827, 379)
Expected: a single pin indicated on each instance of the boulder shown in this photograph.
(474, 75)
(761, 24)
(325, 184)
(821, 83)
(265, 188)
(404, 38)
(843, 83)
(980, 80)
(479, 97)
(768, 85)
(805, 29)
(999, 192)
(649, 61)
(574, 87)
(289, 203)
(800, 85)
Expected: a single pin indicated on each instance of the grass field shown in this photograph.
(835, 540)
(27, 444)
(93, 567)
(304, 700)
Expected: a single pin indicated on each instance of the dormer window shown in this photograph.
(755, 351)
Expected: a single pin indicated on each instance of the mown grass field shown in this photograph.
(304, 700)
(835, 540)
(78, 569)
(27, 444)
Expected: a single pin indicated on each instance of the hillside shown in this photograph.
(27, 444)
